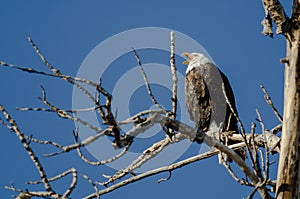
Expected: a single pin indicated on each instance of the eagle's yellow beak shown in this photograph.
(187, 55)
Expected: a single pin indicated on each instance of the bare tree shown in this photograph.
(259, 145)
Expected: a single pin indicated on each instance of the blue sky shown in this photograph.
(66, 32)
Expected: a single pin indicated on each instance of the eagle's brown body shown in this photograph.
(205, 99)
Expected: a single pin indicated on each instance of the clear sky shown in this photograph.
(67, 31)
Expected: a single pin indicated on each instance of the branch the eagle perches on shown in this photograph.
(258, 145)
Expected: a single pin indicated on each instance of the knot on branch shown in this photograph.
(124, 140)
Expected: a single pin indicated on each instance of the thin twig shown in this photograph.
(53, 70)
(267, 163)
(72, 185)
(45, 142)
(146, 79)
(241, 181)
(165, 179)
(85, 142)
(28, 70)
(243, 132)
(107, 118)
(26, 193)
(255, 161)
(253, 152)
(63, 114)
(50, 110)
(5, 124)
(67, 78)
(80, 154)
(233, 111)
(92, 183)
(57, 73)
(269, 101)
(59, 176)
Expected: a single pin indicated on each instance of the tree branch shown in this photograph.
(35, 160)
(269, 101)
(146, 79)
(162, 169)
(277, 13)
(174, 76)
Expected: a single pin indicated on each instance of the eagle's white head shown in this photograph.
(194, 60)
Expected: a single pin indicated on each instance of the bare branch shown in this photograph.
(136, 118)
(85, 142)
(243, 166)
(67, 78)
(28, 149)
(103, 161)
(53, 70)
(92, 183)
(241, 181)
(148, 154)
(63, 114)
(276, 129)
(233, 111)
(269, 101)
(174, 76)
(254, 154)
(146, 79)
(208, 140)
(162, 169)
(165, 179)
(72, 185)
(267, 163)
(28, 194)
(50, 110)
(277, 13)
(28, 70)
(45, 142)
(243, 132)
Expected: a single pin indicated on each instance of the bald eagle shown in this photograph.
(205, 101)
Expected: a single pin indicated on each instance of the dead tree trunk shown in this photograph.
(288, 169)
(288, 175)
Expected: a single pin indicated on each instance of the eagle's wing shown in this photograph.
(197, 99)
(231, 121)
(214, 78)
